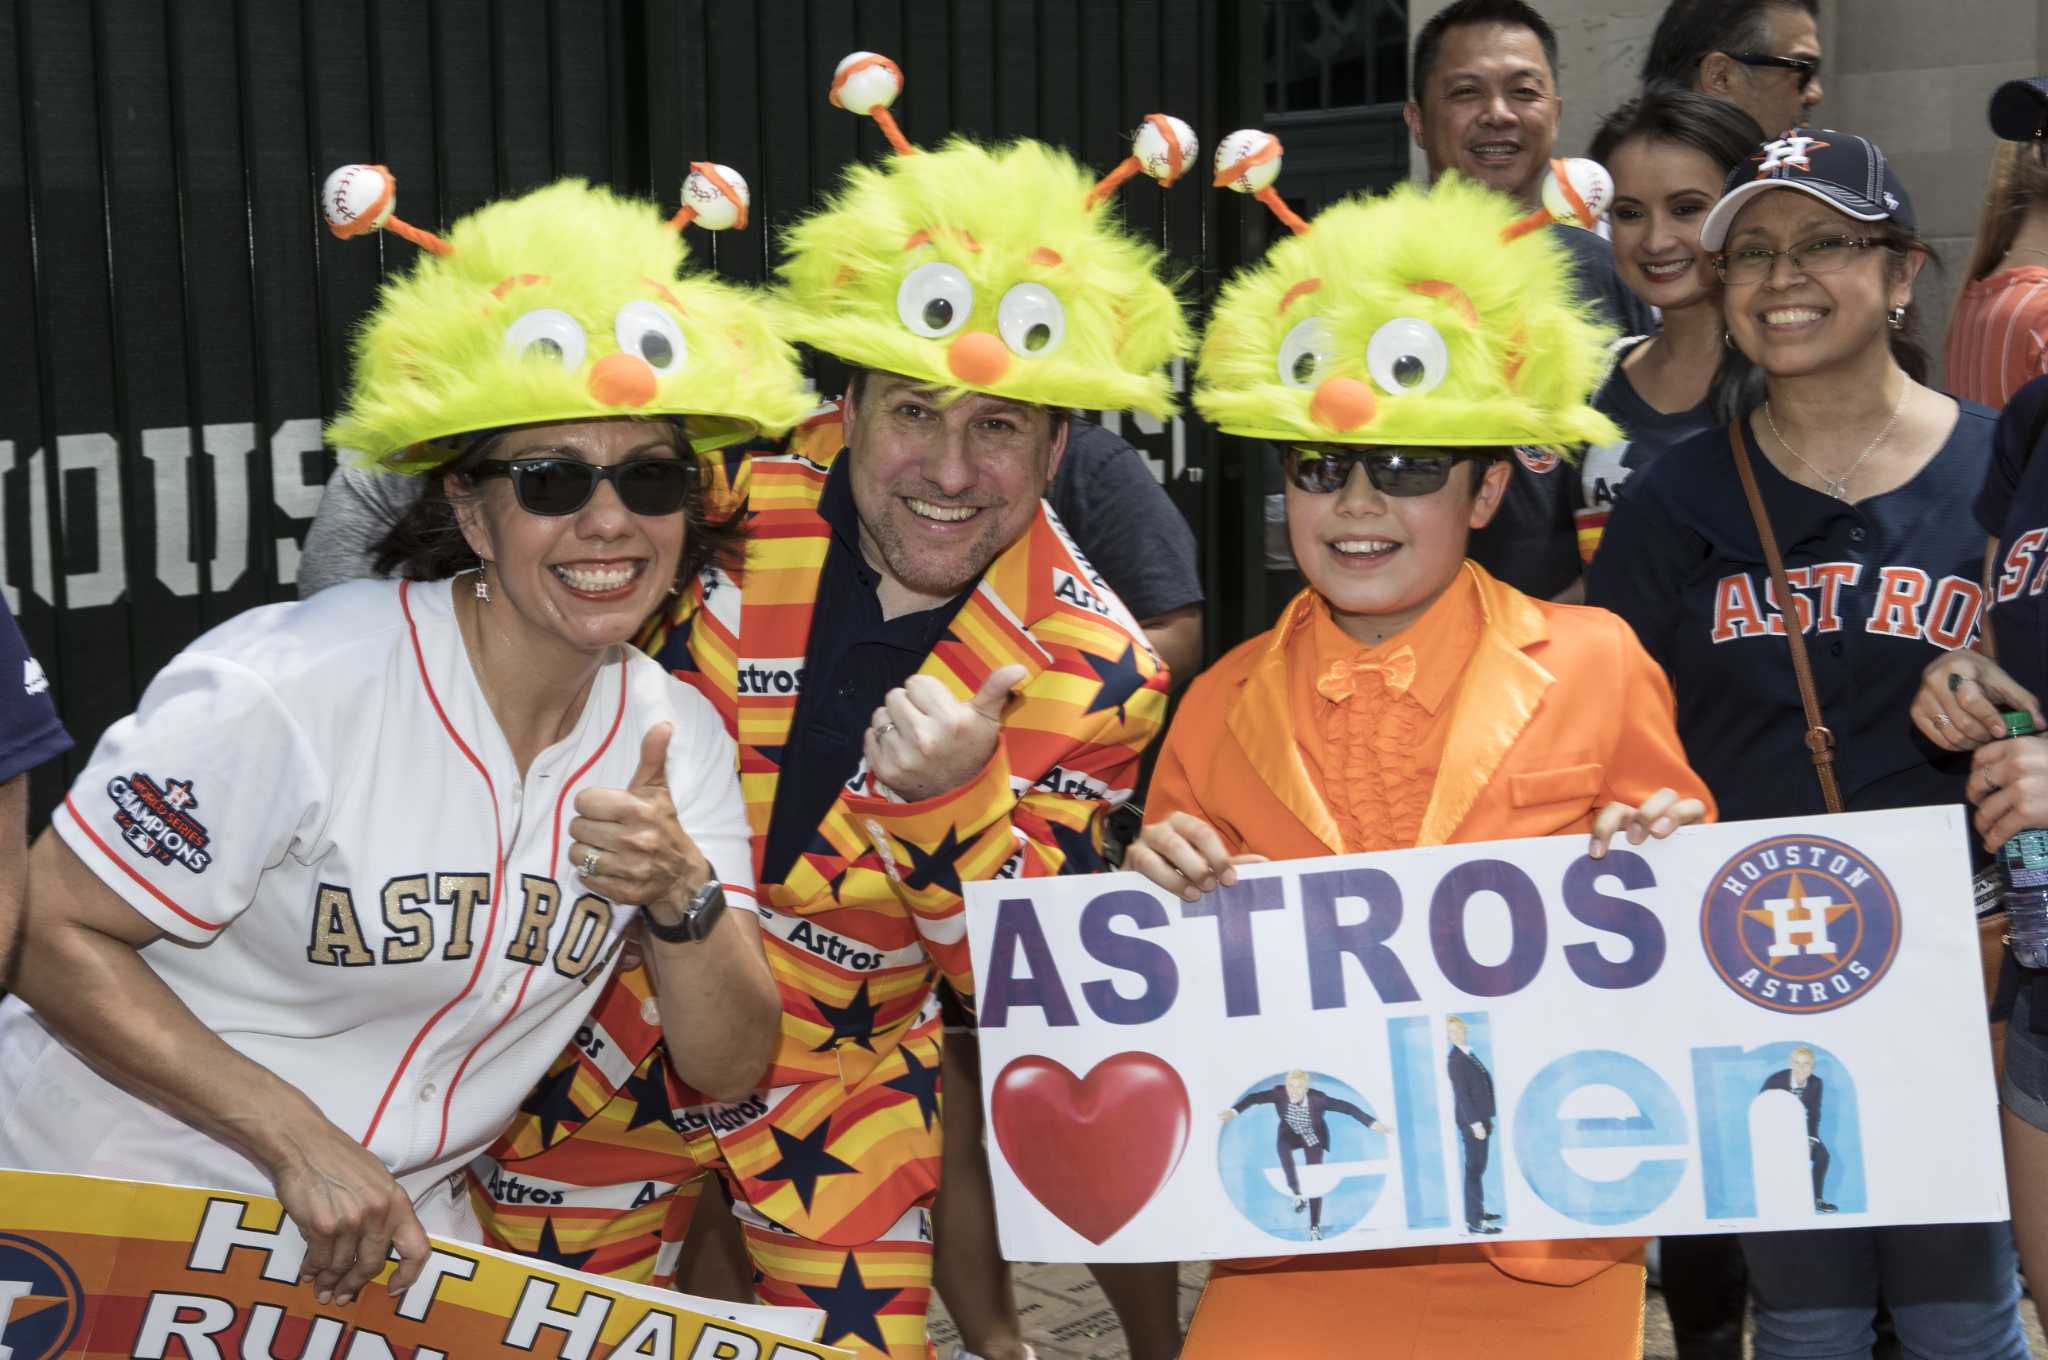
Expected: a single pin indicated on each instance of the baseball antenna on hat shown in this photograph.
(1248, 161)
(867, 83)
(715, 197)
(358, 199)
(1162, 147)
(1576, 192)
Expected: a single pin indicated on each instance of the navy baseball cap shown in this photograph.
(1842, 170)
(2019, 110)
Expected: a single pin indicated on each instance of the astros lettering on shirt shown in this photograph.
(1881, 587)
(2013, 509)
(317, 797)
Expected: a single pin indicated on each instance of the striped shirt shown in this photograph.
(1998, 337)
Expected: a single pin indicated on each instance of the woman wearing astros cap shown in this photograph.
(1865, 478)
(315, 918)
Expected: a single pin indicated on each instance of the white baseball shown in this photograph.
(354, 191)
(1236, 147)
(872, 87)
(1155, 154)
(1595, 188)
(715, 211)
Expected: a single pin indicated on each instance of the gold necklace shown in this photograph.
(1838, 487)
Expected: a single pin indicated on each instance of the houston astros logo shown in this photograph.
(1800, 924)
(1787, 152)
(41, 1304)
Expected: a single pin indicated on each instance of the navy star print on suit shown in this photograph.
(850, 1307)
(804, 1161)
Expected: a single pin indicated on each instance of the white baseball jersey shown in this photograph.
(315, 804)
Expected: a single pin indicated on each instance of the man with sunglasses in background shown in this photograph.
(1763, 56)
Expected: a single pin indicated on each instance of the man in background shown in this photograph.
(1484, 102)
(1763, 56)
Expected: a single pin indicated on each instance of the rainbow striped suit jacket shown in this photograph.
(874, 903)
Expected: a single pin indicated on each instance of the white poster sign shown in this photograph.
(1751, 1026)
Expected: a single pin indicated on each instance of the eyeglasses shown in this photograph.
(1823, 255)
(562, 486)
(1807, 67)
(1320, 469)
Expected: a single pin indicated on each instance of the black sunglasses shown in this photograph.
(562, 486)
(1320, 469)
(1807, 67)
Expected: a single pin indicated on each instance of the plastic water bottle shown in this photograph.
(2024, 861)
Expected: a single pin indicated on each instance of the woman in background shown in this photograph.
(1668, 151)
(1998, 333)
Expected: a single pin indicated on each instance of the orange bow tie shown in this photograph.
(1396, 672)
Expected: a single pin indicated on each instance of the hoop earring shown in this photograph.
(1727, 339)
(1897, 317)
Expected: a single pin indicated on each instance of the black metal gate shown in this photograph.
(173, 315)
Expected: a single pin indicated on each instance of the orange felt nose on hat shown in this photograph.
(979, 358)
(622, 379)
(1342, 404)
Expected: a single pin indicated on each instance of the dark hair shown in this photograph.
(426, 544)
(1430, 38)
(1744, 390)
(1690, 29)
(857, 386)
(1665, 112)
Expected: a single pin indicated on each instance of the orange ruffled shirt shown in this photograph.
(1380, 716)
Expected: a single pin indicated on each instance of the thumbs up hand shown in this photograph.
(628, 844)
(923, 742)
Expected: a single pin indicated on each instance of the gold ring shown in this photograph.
(589, 864)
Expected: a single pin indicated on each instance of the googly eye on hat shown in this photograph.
(2019, 110)
(1848, 173)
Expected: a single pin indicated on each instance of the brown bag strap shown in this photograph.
(1820, 742)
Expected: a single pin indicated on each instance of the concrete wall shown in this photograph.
(1912, 75)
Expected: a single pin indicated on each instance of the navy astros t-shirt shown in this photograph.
(1885, 585)
(1646, 432)
(2013, 509)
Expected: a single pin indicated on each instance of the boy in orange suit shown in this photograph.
(1402, 351)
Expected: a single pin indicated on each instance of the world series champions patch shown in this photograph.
(1800, 924)
(157, 822)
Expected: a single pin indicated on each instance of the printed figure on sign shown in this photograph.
(1472, 1110)
(1303, 1103)
(1799, 1080)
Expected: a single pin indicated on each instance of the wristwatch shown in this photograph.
(706, 905)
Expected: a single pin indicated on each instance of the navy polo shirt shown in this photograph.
(852, 661)
(1885, 585)
(2013, 509)
(29, 730)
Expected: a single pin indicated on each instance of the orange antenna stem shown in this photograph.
(887, 122)
(1113, 181)
(1515, 231)
(1270, 196)
(685, 215)
(419, 236)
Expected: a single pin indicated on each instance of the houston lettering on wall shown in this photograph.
(1750, 1026)
(105, 1268)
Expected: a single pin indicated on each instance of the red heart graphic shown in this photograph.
(1093, 1149)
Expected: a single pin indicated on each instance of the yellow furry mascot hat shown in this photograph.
(994, 269)
(567, 303)
(1438, 317)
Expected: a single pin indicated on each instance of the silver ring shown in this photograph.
(589, 864)
(1943, 719)
(885, 729)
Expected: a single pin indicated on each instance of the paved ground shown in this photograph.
(1067, 1319)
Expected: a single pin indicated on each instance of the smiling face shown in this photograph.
(1297, 1086)
(1800, 1064)
(1489, 109)
(1662, 191)
(588, 580)
(1791, 324)
(1381, 561)
(942, 490)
